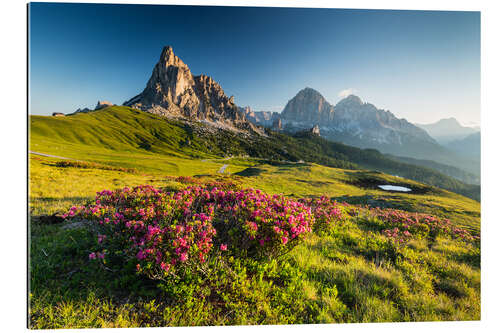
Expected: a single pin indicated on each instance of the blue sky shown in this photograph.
(421, 65)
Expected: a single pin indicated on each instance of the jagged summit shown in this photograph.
(168, 57)
(309, 90)
(351, 100)
(173, 91)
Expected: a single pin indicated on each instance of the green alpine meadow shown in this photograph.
(176, 205)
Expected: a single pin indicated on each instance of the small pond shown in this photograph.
(394, 188)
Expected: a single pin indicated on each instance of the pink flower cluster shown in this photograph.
(165, 232)
(402, 225)
(328, 213)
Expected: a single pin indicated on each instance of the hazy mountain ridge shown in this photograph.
(470, 146)
(463, 176)
(447, 130)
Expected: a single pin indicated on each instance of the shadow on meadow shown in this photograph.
(372, 179)
(250, 172)
(66, 290)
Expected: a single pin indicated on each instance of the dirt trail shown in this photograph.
(47, 155)
(221, 170)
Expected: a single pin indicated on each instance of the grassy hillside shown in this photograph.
(121, 131)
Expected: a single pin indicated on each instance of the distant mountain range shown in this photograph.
(360, 124)
(470, 146)
(448, 130)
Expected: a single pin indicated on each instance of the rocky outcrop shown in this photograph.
(84, 110)
(315, 130)
(102, 105)
(173, 91)
(58, 114)
(277, 124)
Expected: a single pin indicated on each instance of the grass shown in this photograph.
(346, 275)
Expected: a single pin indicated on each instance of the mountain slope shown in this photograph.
(470, 146)
(463, 176)
(127, 130)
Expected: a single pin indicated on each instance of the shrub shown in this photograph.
(328, 214)
(173, 234)
(401, 226)
(90, 165)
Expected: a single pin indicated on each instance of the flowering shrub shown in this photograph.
(402, 226)
(328, 213)
(254, 223)
(172, 233)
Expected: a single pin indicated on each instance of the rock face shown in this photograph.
(263, 118)
(364, 120)
(307, 108)
(173, 91)
(102, 105)
(351, 121)
(277, 124)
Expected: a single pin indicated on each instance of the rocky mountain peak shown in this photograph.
(308, 107)
(310, 92)
(351, 100)
(173, 91)
(168, 58)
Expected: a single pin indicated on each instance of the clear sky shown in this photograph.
(421, 65)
